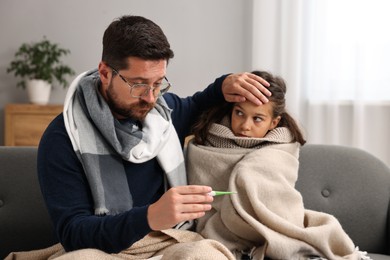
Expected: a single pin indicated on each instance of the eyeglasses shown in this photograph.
(138, 90)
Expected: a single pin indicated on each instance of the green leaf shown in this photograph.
(40, 60)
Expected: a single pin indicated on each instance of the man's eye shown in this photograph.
(141, 85)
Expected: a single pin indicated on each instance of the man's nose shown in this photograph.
(150, 98)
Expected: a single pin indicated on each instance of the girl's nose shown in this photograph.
(246, 125)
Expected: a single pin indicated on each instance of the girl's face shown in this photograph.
(250, 120)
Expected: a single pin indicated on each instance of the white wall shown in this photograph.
(209, 37)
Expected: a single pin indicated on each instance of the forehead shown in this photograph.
(138, 67)
(253, 109)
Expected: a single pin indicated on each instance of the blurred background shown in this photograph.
(333, 54)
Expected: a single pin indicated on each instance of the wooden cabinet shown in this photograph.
(25, 123)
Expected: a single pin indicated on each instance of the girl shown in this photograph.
(254, 151)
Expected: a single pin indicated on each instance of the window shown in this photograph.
(348, 50)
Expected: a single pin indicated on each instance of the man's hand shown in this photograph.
(245, 86)
(179, 204)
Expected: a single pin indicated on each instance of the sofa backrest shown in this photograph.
(352, 185)
(24, 221)
(346, 182)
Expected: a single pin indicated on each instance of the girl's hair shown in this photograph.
(278, 89)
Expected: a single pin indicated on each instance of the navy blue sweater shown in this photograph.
(68, 197)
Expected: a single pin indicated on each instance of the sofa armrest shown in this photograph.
(25, 222)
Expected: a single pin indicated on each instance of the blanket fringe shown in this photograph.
(362, 254)
(101, 211)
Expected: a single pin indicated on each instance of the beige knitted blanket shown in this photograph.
(167, 245)
(267, 217)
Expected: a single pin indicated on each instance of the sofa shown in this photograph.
(347, 182)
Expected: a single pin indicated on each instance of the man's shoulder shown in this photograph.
(57, 123)
(56, 131)
(171, 99)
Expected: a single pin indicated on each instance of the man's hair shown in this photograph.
(134, 36)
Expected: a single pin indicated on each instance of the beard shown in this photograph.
(136, 111)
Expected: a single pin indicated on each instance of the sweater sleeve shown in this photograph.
(186, 110)
(68, 199)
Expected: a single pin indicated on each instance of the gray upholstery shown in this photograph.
(24, 221)
(348, 183)
(353, 186)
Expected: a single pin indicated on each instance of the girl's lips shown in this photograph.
(241, 135)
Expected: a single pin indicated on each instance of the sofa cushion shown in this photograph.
(25, 223)
(352, 185)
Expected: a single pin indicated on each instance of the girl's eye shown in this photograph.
(239, 113)
(257, 119)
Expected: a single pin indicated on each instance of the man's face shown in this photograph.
(117, 92)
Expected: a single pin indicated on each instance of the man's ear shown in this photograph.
(105, 73)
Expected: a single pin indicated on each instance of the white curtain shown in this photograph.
(335, 58)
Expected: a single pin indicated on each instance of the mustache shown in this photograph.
(145, 105)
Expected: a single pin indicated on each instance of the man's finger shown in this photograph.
(194, 208)
(192, 189)
(258, 79)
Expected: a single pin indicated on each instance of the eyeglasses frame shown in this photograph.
(160, 93)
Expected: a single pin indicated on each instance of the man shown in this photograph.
(111, 167)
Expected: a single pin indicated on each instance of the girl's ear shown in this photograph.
(275, 122)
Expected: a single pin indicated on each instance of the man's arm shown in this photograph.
(69, 201)
(232, 88)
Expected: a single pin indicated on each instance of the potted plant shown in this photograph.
(39, 65)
